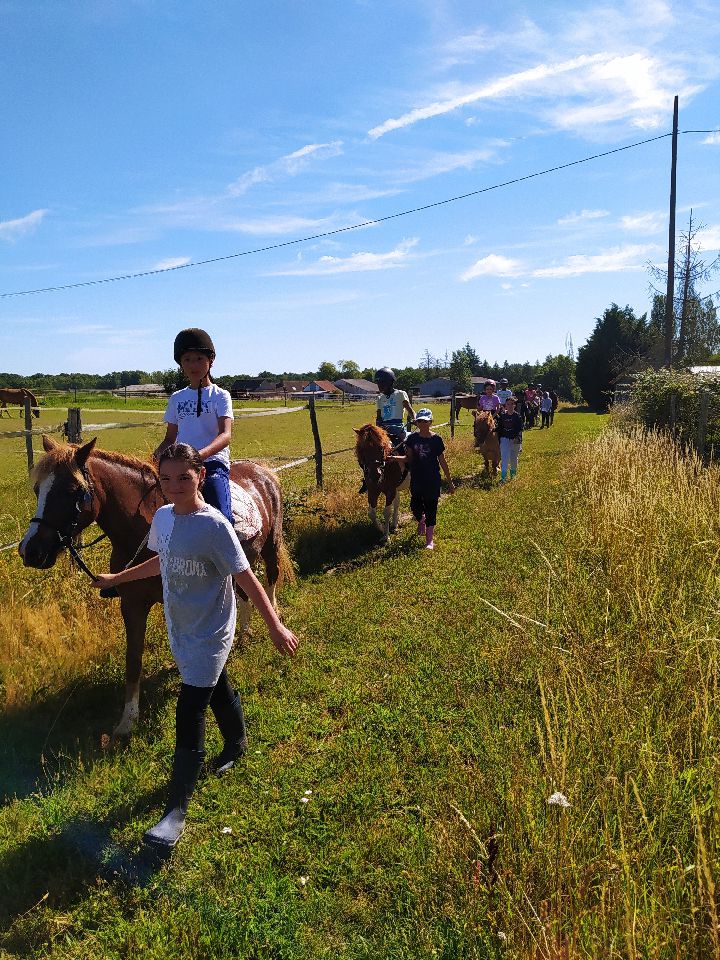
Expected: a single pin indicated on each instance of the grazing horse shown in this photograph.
(372, 449)
(486, 441)
(17, 395)
(79, 485)
(465, 402)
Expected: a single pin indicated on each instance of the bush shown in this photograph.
(651, 400)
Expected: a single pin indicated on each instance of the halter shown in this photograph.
(83, 500)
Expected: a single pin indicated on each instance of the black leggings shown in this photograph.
(424, 502)
(191, 707)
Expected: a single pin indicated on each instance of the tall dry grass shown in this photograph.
(626, 656)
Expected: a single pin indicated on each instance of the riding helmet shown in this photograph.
(193, 339)
(503, 382)
(384, 375)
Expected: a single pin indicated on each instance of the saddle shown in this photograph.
(246, 515)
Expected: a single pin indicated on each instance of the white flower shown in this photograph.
(226, 830)
(304, 799)
(308, 793)
(559, 800)
(303, 881)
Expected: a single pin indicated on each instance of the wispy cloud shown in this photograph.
(171, 263)
(493, 265)
(12, 229)
(512, 84)
(355, 263)
(644, 222)
(584, 215)
(439, 163)
(709, 238)
(714, 138)
(632, 257)
(289, 165)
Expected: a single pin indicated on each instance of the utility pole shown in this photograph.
(669, 303)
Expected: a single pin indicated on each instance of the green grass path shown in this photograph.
(379, 761)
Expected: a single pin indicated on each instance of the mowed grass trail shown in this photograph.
(393, 803)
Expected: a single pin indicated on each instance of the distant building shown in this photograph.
(321, 388)
(357, 387)
(437, 387)
(140, 389)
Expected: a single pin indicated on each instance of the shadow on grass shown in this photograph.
(57, 870)
(39, 738)
(317, 548)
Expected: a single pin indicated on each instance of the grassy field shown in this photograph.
(562, 639)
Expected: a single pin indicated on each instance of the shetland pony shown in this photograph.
(486, 441)
(384, 476)
(79, 485)
(17, 395)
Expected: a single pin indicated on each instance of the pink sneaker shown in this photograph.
(430, 546)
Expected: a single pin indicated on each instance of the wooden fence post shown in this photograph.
(318, 446)
(73, 427)
(452, 415)
(703, 422)
(28, 433)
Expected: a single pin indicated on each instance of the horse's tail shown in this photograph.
(286, 570)
(33, 401)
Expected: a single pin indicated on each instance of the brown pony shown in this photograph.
(79, 485)
(17, 395)
(372, 449)
(486, 441)
(465, 402)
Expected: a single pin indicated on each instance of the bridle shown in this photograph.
(66, 533)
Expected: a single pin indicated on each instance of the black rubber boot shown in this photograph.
(231, 721)
(186, 768)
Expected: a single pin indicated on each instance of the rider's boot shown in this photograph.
(429, 542)
(186, 769)
(231, 721)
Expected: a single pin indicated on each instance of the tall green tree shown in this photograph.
(618, 339)
(328, 371)
(461, 371)
(558, 373)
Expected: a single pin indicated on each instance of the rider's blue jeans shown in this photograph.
(216, 489)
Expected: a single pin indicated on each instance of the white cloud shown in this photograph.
(512, 84)
(709, 238)
(584, 215)
(171, 263)
(355, 263)
(645, 222)
(493, 265)
(712, 139)
(470, 239)
(440, 163)
(12, 229)
(272, 226)
(632, 257)
(289, 165)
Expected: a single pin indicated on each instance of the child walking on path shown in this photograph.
(546, 407)
(202, 416)
(198, 557)
(425, 456)
(509, 431)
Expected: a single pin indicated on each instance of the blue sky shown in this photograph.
(141, 134)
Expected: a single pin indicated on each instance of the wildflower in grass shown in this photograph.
(559, 800)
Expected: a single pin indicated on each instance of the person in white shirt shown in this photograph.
(202, 416)
(391, 404)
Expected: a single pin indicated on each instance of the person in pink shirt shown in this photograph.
(489, 400)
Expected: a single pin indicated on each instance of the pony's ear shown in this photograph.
(48, 443)
(358, 432)
(150, 503)
(83, 452)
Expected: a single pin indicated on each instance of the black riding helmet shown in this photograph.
(193, 339)
(385, 375)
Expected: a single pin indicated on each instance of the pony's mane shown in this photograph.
(65, 456)
(370, 434)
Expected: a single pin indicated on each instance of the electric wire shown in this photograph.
(347, 229)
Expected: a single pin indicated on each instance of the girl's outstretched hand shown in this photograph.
(103, 581)
(284, 640)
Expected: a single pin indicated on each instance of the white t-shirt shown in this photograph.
(198, 552)
(201, 430)
(391, 408)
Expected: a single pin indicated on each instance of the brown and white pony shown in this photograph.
(486, 440)
(382, 476)
(17, 395)
(79, 485)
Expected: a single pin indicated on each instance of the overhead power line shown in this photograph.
(347, 229)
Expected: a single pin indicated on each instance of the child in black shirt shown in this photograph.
(425, 457)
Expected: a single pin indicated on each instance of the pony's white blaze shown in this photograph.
(43, 491)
